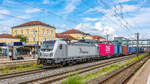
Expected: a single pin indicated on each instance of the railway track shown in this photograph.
(16, 74)
(18, 62)
(60, 76)
(121, 76)
(15, 64)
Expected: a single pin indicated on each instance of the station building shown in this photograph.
(65, 37)
(7, 38)
(35, 31)
(77, 34)
(98, 38)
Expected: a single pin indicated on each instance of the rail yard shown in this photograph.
(74, 42)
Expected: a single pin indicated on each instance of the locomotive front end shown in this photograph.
(46, 54)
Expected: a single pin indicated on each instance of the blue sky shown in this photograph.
(98, 17)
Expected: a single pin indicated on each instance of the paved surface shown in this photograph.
(3, 60)
(142, 76)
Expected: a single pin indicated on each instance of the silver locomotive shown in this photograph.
(60, 53)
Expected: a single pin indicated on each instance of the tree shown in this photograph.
(0, 49)
(22, 38)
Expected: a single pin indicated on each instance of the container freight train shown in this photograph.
(60, 53)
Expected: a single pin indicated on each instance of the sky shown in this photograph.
(98, 17)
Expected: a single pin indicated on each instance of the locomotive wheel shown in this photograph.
(70, 63)
(64, 63)
(74, 62)
(60, 65)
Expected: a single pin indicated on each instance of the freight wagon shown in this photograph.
(105, 49)
(124, 50)
(118, 50)
(132, 50)
(141, 50)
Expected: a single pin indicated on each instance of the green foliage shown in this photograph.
(21, 68)
(6, 70)
(39, 66)
(0, 49)
(77, 79)
(22, 38)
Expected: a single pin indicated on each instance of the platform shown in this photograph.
(6, 60)
(142, 76)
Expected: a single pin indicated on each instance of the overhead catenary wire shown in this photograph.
(37, 8)
(101, 12)
(122, 25)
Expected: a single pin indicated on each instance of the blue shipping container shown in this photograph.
(132, 49)
(129, 49)
(118, 49)
(141, 49)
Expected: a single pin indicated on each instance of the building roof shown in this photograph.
(58, 35)
(32, 23)
(6, 36)
(97, 37)
(74, 31)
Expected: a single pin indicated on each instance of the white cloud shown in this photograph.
(8, 2)
(4, 11)
(97, 9)
(1, 16)
(91, 19)
(123, 0)
(140, 18)
(46, 1)
(52, 2)
(63, 26)
(71, 6)
(23, 17)
(108, 30)
(129, 8)
(97, 28)
(32, 10)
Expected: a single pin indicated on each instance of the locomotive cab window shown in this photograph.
(60, 46)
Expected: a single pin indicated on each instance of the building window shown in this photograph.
(47, 34)
(34, 35)
(28, 35)
(43, 35)
(16, 33)
(52, 35)
(22, 32)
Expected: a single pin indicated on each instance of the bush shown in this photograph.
(77, 79)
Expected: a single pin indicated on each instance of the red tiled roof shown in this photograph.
(6, 36)
(97, 37)
(58, 35)
(32, 23)
(73, 31)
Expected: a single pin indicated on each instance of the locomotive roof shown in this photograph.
(85, 44)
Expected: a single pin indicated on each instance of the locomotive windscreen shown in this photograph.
(48, 45)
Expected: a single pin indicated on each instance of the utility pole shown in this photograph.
(107, 38)
(137, 34)
(128, 44)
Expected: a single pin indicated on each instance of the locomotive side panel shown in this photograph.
(61, 51)
(82, 50)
